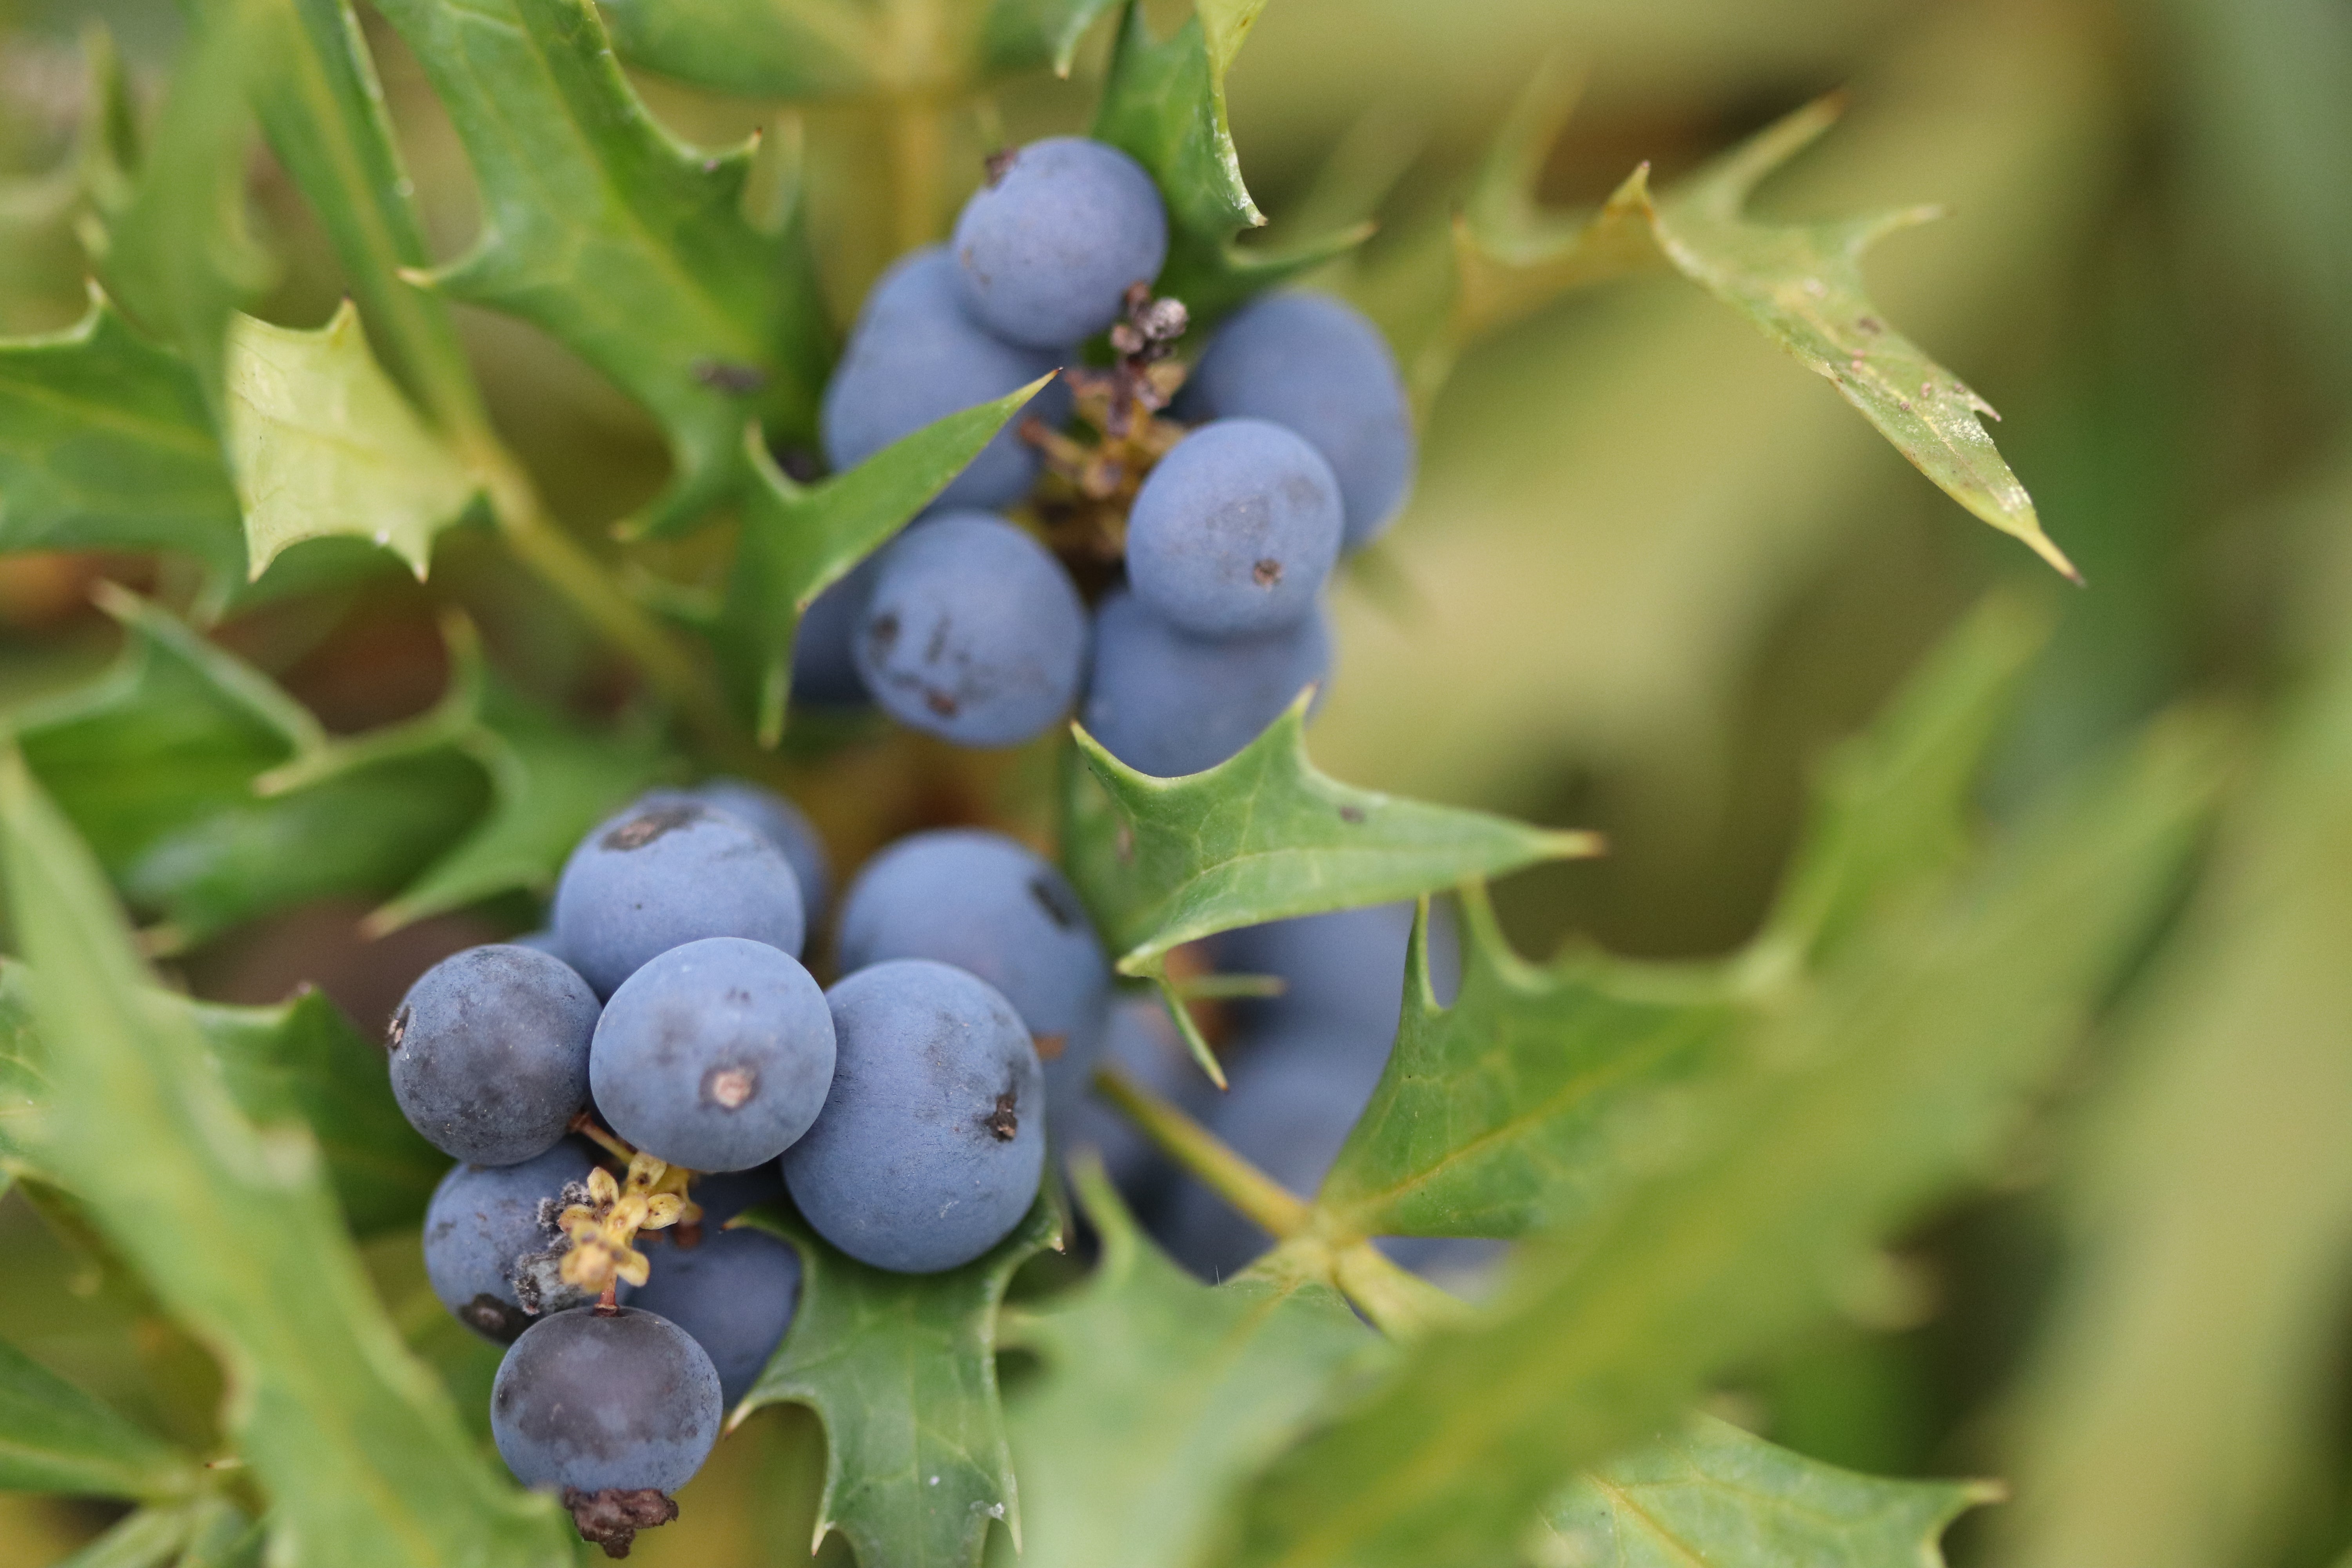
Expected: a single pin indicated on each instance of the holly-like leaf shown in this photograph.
(1263, 836)
(1530, 1101)
(1893, 1082)
(1023, 35)
(619, 240)
(155, 761)
(302, 1059)
(1800, 284)
(1714, 1494)
(105, 443)
(901, 1368)
(54, 1437)
(796, 542)
(232, 1227)
(323, 444)
(1164, 105)
(1159, 1396)
(756, 49)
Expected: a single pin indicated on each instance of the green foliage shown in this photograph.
(232, 1226)
(55, 1437)
(901, 1368)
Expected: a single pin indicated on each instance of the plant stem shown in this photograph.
(1198, 1151)
(1400, 1303)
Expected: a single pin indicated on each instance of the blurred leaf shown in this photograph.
(1800, 284)
(1263, 836)
(105, 444)
(901, 1368)
(624, 244)
(323, 444)
(23, 1088)
(1893, 1082)
(223, 1536)
(323, 111)
(154, 762)
(304, 1060)
(146, 1539)
(796, 542)
(1714, 1494)
(2213, 1208)
(55, 1438)
(1160, 1395)
(756, 49)
(1164, 105)
(1022, 34)
(232, 1227)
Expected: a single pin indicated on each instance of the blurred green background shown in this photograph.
(1653, 569)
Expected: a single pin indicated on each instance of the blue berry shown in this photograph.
(1046, 248)
(1168, 703)
(590, 1402)
(484, 1238)
(734, 1291)
(490, 1053)
(1316, 366)
(657, 876)
(539, 942)
(974, 633)
(824, 648)
(1235, 531)
(932, 1146)
(984, 903)
(1344, 968)
(914, 357)
(723, 1194)
(778, 821)
(1142, 1043)
(715, 1056)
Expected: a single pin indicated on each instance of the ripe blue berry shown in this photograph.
(490, 1053)
(778, 821)
(734, 1291)
(931, 1147)
(1235, 531)
(984, 903)
(1344, 968)
(589, 1403)
(1045, 250)
(825, 647)
(714, 1056)
(1168, 703)
(660, 875)
(913, 357)
(483, 1236)
(974, 633)
(1317, 367)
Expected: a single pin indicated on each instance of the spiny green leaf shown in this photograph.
(1164, 105)
(758, 49)
(1264, 836)
(155, 762)
(323, 111)
(233, 1228)
(1714, 1494)
(901, 1368)
(1800, 284)
(1159, 1396)
(1020, 35)
(55, 1438)
(105, 443)
(1891, 1083)
(323, 444)
(622, 242)
(796, 542)
(302, 1059)
(146, 1539)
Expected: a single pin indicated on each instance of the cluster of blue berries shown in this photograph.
(668, 1016)
(1290, 442)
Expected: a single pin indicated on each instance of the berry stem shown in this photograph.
(609, 1303)
(586, 1124)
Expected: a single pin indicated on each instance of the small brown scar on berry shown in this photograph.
(1051, 1046)
(998, 164)
(397, 1032)
(941, 704)
(729, 1088)
(1267, 572)
(612, 1518)
(1002, 1122)
(648, 826)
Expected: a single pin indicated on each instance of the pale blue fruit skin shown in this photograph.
(693, 1021)
(1142, 1043)
(973, 632)
(481, 1219)
(1045, 254)
(1168, 703)
(1317, 366)
(1343, 968)
(1235, 531)
(913, 357)
(984, 902)
(734, 1291)
(777, 820)
(627, 1402)
(490, 1053)
(825, 647)
(903, 1170)
(650, 879)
